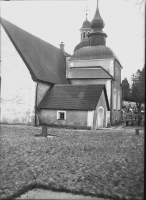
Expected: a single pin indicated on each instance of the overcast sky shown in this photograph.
(60, 21)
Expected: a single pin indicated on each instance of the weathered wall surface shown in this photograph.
(73, 118)
(17, 86)
(88, 81)
(42, 89)
(117, 100)
(90, 119)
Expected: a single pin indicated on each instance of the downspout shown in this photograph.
(111, 111)
(111, 116)
(36, 96)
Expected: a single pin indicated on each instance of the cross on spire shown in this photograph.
(86, 10)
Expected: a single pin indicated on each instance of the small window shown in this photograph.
(61, 115)
(81, 35)
(84, 34)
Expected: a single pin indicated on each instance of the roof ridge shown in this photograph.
(44, 61)
(2, 19)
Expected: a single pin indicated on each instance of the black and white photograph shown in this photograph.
(72, 99)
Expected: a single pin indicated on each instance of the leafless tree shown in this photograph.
(138, 3)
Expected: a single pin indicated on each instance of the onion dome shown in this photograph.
(86, 24)
(97, 36)
(97, 21)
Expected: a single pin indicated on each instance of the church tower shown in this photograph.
(97, 36)
(85, 30)
(93, 63)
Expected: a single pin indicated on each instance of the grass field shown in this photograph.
(105, 163)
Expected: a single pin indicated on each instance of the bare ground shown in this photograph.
(103, 163)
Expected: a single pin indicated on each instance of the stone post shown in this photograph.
(137, 131)
(44, 131)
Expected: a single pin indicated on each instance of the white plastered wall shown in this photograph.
(108, 90)
(18, 90)
(90, 119)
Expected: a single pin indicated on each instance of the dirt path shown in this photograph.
(46, 194)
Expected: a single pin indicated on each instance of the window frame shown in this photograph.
(59, 112)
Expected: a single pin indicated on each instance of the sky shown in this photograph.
(59, 21)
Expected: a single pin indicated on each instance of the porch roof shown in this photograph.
(73, 97)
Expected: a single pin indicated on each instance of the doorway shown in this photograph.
(100, 117)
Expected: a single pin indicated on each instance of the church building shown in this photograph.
(42, 84)
(94, 63)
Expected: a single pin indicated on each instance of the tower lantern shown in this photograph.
(86, 29)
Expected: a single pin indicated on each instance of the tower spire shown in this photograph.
(97, 36)
(86, 11)
(97, 21)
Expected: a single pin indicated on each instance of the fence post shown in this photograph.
(127, 123)
(137, 131)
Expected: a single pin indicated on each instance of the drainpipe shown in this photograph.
(36, 95)
(111, 102)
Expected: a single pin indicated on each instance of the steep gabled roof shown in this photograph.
(44, 61)
(73, 97)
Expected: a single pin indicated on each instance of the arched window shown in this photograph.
(84, 34)
(100, 117)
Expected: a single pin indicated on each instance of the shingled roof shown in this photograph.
(88, 72)
(44, 61)
(73, 97)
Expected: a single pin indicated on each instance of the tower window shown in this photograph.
(84, 34)
(81, 35)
